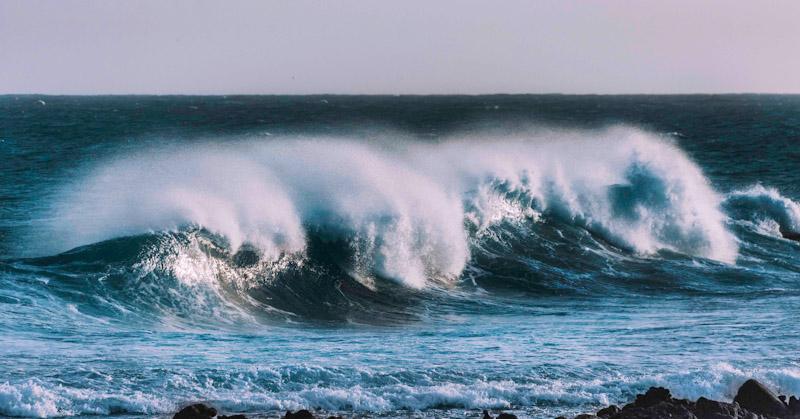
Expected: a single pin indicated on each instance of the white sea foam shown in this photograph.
(771, 212)
(34, 398)
(407, 210)
(260, 391)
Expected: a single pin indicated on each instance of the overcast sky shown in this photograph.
(395, 47)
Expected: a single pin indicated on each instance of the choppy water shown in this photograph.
(394, 256)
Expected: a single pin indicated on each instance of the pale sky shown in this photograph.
(398, 47)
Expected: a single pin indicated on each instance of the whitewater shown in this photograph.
(389, 256)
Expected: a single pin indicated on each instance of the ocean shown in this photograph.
(394, 256)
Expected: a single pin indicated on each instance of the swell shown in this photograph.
(372, 230)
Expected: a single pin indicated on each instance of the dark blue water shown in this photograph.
(390, 256)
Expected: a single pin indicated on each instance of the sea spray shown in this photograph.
(410, 213)
(765, 206)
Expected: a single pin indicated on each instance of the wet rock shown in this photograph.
(586, 416)
(652, 397)
(486, 415)
(753, 401)
(712, 409)
(196, 411)
(757, 398)
(232, 417)
(656, 411)
(506, 416)
(608, 411)
(656, 403)
(300, 414)
(794, 405)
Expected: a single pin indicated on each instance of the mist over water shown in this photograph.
(441, 255)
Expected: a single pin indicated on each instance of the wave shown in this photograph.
(364, 390)
(409, 211)
(193, 276)
(771, 212)
(355, 230)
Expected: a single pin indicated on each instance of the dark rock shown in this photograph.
(232, 417)
(753, 401)
(653, 396)
(664, 409)
(711, 409)
(608, 411)
(561, 417)
(486, 415)
(506, 416)
(756, 398)
(196, 411)
(794, 405)
(586, 416)
(335, 417)
(300, 414)
(657, 402)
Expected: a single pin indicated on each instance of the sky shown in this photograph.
(399, 47)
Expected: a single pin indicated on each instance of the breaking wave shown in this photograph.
(363, 390)
(409, 211)
(324, 227)
(767, 209)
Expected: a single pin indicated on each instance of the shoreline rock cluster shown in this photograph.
(202, 411)
(752, 401)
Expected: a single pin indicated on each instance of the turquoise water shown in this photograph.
(389, 256)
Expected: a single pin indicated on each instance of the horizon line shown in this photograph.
(406, 94)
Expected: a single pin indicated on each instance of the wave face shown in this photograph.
(767, 208)
(427, 256)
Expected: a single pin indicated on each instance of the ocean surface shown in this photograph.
(394, 256)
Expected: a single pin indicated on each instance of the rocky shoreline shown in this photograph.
(752, 401)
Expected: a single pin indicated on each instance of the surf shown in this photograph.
(411, 212)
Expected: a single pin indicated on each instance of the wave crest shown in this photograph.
(767, 208)
(408, 211)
